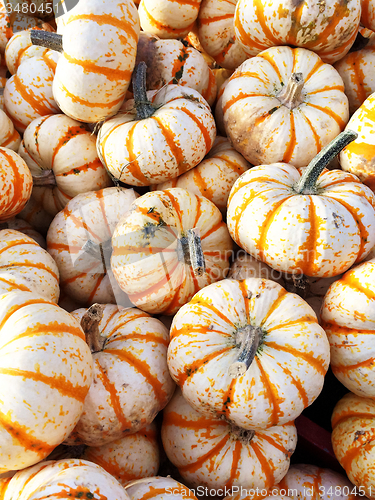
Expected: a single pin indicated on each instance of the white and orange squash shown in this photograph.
(248, 352)
(158, 488)
(43, 355)
(61, 155)
(34, 214)
(19, 48)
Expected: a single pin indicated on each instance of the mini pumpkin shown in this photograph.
(316, 224)
(43, 354)
(9, 137)
(152, 141)
(214, 176)
(157, 488)
(61, 155)
(20, 48)
(248, 352)
(352, 440)
(131, 382)
(212, 453)
(79, 240)
(348, 319)
(167, 18)
(284, 105)
(168, 246)
(327, 28)
(16, 184)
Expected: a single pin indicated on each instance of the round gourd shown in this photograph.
(158, 488)
(15, 184)
(284, 105)
(348, 315)
(152, 141)
(79, 240)
(357, 72)
(168, 246)
(352, 440)
(216, 33)
(248, 352)
(63, 479)
(131, 382)
(212, 453)
(28, 93)
(214, 176)
(358, 157)
(133, 456)
(305, 482)
(43, 355)
(175, 62)
(19, 48)
(98, 55)
(21, 256)
(316, 224)
(328, 28)
(167, 18)
(61, 155)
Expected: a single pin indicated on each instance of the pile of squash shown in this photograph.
(187, 244)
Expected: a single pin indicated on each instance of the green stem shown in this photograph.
(143, 106)
(307, 183)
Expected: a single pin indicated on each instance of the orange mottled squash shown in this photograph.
(131, 382)
(168, 246)
(248, 352)
(43, 355)
(328, 28)
(353, 421)
(215, 454)
(15, 184)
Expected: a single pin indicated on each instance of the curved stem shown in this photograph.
(90, 325)
(46, 179)
(47, 39)
(307, 183)
(143, 105)
(189, 250)
(290, 96)
(250, 338)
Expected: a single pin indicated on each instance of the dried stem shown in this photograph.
(90, 325)
(250, 338)
(47, 39)
(46, 179)
(290, 95)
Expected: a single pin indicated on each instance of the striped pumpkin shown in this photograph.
(214, 176)
(24, 227)
(63, 479)
(358, 156)
(311, 224)
(284, 105)
(79, 240)
(327, 28)
(352, 440)
(151, 260)
(159, 488)
(44, 359)
(174, 62)
(61, 155)
(357, 72)
(34, 214)
(133, 456)
(131, 382)
(15, 22)
(216, 32)
(91, 77)
(20, 255)
(248, 352)
(9, 137)
(19, 48)
(306, 482)
(212, 453)
(177, 119)
(168, 18)
(348, 318)
(15, 184)
(368, 14)
(28, 93)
